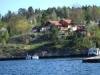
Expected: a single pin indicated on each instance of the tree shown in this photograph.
(22, 26)
(54, 34)
(11, 25)
(87, 16)
(30, 12)
(22, 12)
(0, 17)
(1, 24)
(44, 18)
(18, 25)
(37, 11)
(54, 15)
(65, 12)
(94, 12)
(77, 15)
(83, 43)
(59, 12)
(8, 15)
(4, 36)
(39, 19)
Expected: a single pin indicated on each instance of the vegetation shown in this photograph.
(14, 24)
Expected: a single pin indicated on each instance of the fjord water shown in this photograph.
(49, 67)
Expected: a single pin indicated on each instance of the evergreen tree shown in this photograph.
(30, 12)
(54, 15)
(22, 12)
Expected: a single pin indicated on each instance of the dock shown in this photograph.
(94, 59)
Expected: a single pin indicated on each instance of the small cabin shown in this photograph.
(94, 51)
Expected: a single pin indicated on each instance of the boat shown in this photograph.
(94, 59)
(35, 57)
(30, 57)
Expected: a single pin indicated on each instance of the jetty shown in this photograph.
(93, 59)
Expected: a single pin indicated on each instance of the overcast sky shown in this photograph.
(14, 5)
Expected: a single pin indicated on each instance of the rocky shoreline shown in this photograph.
(46, 57)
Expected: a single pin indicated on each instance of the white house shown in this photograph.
(74, 28)
(94, 51)
(44, 29)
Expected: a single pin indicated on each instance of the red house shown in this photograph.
(61, 23)
(55, 23)
(65, 22)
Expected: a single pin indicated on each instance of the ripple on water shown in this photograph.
(48, 67)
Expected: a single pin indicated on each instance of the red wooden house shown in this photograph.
(61, 23)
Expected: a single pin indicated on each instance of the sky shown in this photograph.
(14, 5)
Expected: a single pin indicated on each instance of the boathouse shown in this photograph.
(94, 51)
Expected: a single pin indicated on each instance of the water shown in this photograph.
(49, 67)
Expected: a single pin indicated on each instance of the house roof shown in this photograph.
(63, 22)
(56, 23)
(69, 21)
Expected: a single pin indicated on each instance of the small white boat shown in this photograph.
(35, 57)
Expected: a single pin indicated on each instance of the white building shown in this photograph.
(94, 51)
(74, 28)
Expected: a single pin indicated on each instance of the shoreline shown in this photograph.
(77, 57)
